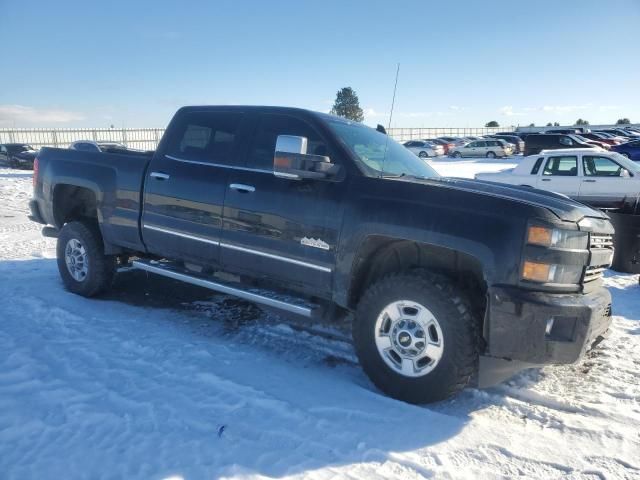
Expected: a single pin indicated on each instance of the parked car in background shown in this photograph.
(564, 131)
(597, 178)
(483, 148)
(621, 133)
(453, 140)
(596, 143)
(18, 155)
(516, 141)
(424, 149)
(535, 143)
(91, 146)
(438, 141)
(609, 140)
(629, 149)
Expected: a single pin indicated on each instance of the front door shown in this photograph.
(560, 174)
(280, 228)
(605, 182)
(185, 186)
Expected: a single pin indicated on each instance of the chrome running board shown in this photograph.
(166, 270)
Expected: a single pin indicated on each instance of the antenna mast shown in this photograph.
(393, 102)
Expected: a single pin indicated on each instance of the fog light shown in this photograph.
(549, 327)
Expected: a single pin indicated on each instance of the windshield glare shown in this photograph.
(369, 147)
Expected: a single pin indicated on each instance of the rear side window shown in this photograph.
(561, 166)
(272, 125)
(480, 144)
(206, 137)
(566, 141)
(536, 166)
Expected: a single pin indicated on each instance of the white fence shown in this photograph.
(139, 138)
(404, 134)
(148, 138)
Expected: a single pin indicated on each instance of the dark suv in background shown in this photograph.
(535, 143)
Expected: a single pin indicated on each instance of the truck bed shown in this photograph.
(116, 180)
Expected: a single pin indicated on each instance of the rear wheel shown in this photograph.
(415, 337)
(491, 155)
(82, 264)
(423, 155)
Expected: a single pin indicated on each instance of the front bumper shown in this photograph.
(517, 325)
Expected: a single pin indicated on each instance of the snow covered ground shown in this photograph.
(158, 380)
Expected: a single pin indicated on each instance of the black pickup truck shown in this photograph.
(324, 218)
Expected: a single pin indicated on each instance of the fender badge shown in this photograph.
(315, 243)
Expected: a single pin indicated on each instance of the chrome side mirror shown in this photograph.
(292, 161)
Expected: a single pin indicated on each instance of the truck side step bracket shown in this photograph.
(167, 270)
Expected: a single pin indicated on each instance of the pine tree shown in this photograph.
(347, 105)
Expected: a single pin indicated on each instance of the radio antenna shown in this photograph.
(393, 102)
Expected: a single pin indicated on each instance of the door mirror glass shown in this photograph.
(292, 161)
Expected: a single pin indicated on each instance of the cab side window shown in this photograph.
(561, 166)
(206, 137)
(272, 125)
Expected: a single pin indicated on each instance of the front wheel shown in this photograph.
(423, 155)
(491, 155)
(457, 155)
(82, 264)
(415, 337)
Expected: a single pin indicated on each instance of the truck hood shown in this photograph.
(562, 206)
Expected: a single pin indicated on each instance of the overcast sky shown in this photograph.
(463, 63)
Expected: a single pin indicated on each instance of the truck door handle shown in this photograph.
(242, 188)
(159, 176)
(546, 179)
(590, 181)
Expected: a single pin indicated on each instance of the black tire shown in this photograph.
(101, 267)
(423, 155)
(491, 155)
(460, 330)
(457, 155)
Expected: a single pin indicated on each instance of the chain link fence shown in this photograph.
(138, 138)
(404, 134)
(148, 138)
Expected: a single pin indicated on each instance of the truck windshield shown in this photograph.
(369, 146)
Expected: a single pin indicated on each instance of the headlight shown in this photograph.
(546, 273)
(558, 238)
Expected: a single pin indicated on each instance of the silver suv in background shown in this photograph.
(424, 149)
(490, 148)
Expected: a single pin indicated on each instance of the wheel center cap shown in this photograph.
(404, 339)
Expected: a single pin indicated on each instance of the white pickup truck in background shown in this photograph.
(595, 177)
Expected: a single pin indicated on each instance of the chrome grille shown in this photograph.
(597, 243)
(600, 240)
(593, 272)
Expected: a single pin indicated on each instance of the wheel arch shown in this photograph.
(380, 255)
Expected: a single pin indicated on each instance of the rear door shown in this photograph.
(186, 183)
(560, 174)
(280, 228)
